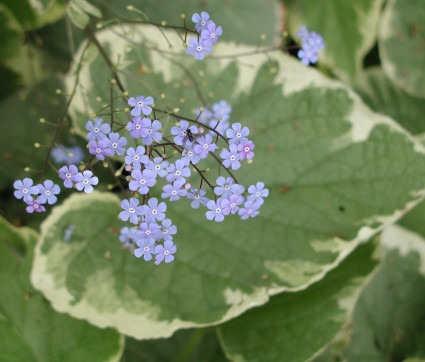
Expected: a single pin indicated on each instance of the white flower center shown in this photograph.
(250, 211)
(232, 158)
(202, 22)
(148, 232)
(140, 104)
(146, 248)
(150, 131)
(218, 210)
(25, 190)
(86, 181)
(238, 135)
(246, 149)
(197, 196)
(68, 175)
(114, 145)
(98, 150)
(226, 187)
(198, 48)
(190, 154)
(47, 193)
(95, 130)
(232, 204)
(206, 145)
(154, 211)
(212, 35)
(164, 230)
(137, 126)
(35, 206)
(178, 172)
(166, 252)
(142, 181)
(174, 192)
(131, 210)
(135, 158)
(257, 193)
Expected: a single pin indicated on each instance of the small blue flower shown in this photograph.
(35, 205)
(307, 54)
(68, 232)
(245, 150)
(249, 209)
(222, 109)
(211, 33)
(219, 126)
(231, 157)
(316, 41)
(116, 143)
(62, 154)
(237, 134)
(257, 193)
(100, 149)
(127, 235)
(141, 105)
(67, 174)
(201, 21)
(154, 210)
(165, 252)
(205, 116)
(199, 48)
(132, 210)
(184, 133)
(136, 156)
(139, 127)
(48, 192)
(178, 171)
(168, 229)
(174, 191)
(25, 189)
(148, 230)
(142, 180)
(153, 134)
(146, 249)
(189, 156)
(158, 166)
(97, 130)
(216, 212)
(85, 180)
(311, 43)
(226, 187)
(204, 145)
(198, 197)
(231, 205)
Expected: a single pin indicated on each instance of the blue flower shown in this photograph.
(35, 205)
(116, 143)
(67, 173)
(231, 205)
(142, 181)
(168, 229)
(201, 21)
(154, 211)
(146, 249)
(136, 156)
(204, 145)
(222, 109)
(311, 43)
(158, 166)
(257, 193)
(25, 189)
(174, 191)
(237, 134)
(141, 105)
(153, 134)
(100, 149)
(127, 235)
(165, 252)
(198, 197)
(216, 212)
(231, 157)
(199, 48)
(97, 130)
(190, 156)
(211, 33)
(62, 154)
(84, 181)
(178, 171)
(48, 192)
(205, 116)
(226, 187)
(245, 150)
(132, 210)
(308, 54)
(148, 230)
(184, 134)
(139, 127)
(249, 209)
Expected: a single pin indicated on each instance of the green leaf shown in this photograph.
(337, 174)
(348, 29)
(11, 35)
(243, 21)
(389, 318)
(401, 40)
(295, 326)
(20, 116)
(385, 97)
(191, 345)
(77, 15)
(30, 330)
(87, 7)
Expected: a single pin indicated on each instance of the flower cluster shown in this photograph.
(311, 44)
(208, 35)
(35, 196)
(182, 151)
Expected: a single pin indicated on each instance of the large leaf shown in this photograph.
(385, 97)
(389, 318)
(348, 29)
(401, 38)
(337, 174)
(30, 330)
(243, 21)
(185, 345)
(295, 326)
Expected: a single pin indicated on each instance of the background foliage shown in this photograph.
(334, 266)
